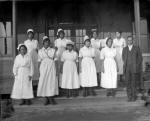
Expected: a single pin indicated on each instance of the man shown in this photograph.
(132, 59)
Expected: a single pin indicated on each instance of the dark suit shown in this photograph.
(132, 69)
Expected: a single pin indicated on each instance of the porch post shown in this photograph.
(137, 21)
(14, 41)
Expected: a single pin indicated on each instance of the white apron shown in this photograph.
(109, 77)
(22, 69)
(70, 78)
(88, 76)
(48, 84)
(32, 47)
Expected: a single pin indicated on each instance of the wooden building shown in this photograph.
(76, 17)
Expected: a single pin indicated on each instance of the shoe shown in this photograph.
(29, 102)
(47, 102)
(22, 102)
(53, 102)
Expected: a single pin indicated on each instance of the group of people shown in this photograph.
(58, 66)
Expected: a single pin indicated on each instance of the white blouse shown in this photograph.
(87, 52)
(95, 43)
(31, 45)
(107, 53)
(69, 56)
(46, 53)
(23, 62)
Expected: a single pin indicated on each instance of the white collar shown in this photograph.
(46, 49)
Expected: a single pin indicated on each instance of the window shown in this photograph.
(74, 32)
(5, 39)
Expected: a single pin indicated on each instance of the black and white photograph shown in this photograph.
(74, 60)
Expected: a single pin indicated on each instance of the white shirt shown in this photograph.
(31, 45)
(130, 47)
(87, 52)
(46, 53)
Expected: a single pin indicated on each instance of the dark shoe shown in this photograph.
(29, 102)
(113, 93)
(47, 102)
(23, 102)
(108, 94)
(94, 93)
(54, 102)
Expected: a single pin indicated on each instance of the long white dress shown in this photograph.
(48, 83)
(32, 47)
(88, 74)
(96, 45)
(70, 77)
(109, 77)
(22, 69)
(61, 45)
(119, 44)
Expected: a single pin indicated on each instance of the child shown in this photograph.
(23, 72)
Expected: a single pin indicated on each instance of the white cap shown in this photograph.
(30, 30)
(45, 37)
(19, 46)
(86, 37)
(59, 31)
(94, 30)
(70, 43)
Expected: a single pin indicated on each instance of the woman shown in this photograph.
(88, 69)
(70, 78)
(109, 68)
(60, 43)
(119, 43)
(32, 47)
(23, 72)
(48, 84)
(95, 42)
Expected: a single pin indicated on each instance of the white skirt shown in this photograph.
(22, 88)
(48, 83)
(70, 78)
(88, 75)
(109, 77)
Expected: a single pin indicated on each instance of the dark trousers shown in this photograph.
(131, 84)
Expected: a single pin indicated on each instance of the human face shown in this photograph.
(61, 35)
(118, 34)
(130, 41)
(87, 43)
(94, 35)
(46, 44)
(30, 35)
(23, 50)
(109, 43)
(69, 47)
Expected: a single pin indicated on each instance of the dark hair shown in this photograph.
(87, 40)
(30, 32)
(108, 40)
(61, 31)
(93, 32)
(23, 46)
(70, 44)
(119, 31)
(47, 39)
(129, 36)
